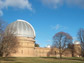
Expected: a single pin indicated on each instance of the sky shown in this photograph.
(48, 17)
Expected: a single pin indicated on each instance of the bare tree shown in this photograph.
(71, 46)
(61, 40)
(9, 43)
(2, 27)
(81, 39)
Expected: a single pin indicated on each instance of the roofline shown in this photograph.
(29, 24)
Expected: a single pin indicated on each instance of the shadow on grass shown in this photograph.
(7, 58)
(66, 58)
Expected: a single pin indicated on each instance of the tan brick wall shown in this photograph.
(27, 49)
(77, 50)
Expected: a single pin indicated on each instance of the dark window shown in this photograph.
(55, 52)
(22, 51)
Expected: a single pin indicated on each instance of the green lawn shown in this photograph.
(41, 60)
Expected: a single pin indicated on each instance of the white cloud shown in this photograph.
(79, 3)
(1, 13)
(74, 38)
(48, 41)
(56, 3)
(58, 26)
(52, 3)
(21, 4)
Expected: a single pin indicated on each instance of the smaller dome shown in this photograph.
(48, 46)
(76, 42)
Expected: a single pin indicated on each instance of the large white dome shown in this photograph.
(21, 28)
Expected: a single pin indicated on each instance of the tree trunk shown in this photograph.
(60, 55)
(4, 55)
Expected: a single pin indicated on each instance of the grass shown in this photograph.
(41, 60)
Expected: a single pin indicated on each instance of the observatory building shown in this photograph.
(25, 34)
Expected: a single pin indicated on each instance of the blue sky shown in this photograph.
(46, 16)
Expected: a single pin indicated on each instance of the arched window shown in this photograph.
(55, 52)
(21, 51)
